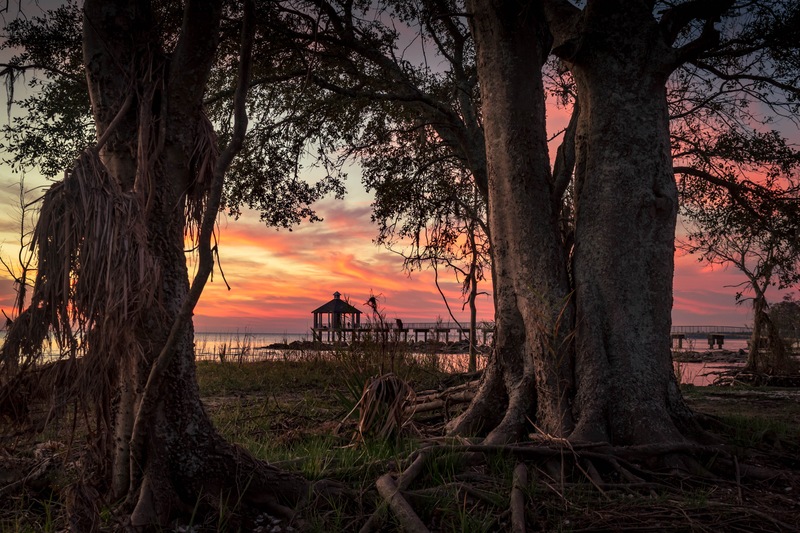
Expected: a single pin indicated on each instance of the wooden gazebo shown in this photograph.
(335, 319)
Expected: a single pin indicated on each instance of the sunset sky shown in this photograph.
(278, 277)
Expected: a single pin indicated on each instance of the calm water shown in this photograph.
(211, 342)
(701, 374)
(254, 347)
(209, 345)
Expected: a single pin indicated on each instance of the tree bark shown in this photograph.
(473, 308)
(152, 152)
(774, 358)
(625, 224)
(502, 367)
(114, 38)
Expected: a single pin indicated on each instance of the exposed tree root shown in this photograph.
(519, 484)
(409, 520)
(572, 473)
(487, 407)
(597, 487)
(451, 481)
(434, 400)
(405, 479)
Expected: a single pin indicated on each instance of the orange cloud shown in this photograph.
(278, 277)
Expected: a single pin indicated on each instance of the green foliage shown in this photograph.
(273, 376)
(367, 94)
(53, 123)
(786, 317)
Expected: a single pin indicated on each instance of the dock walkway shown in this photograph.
(438, 331)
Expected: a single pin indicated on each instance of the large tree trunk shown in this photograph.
(152, 154)
(759, 309)
(503, 367)
(625, 226)
(533, 312)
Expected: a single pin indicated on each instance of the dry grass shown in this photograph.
(382, 408)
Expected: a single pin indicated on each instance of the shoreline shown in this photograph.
(709, 356)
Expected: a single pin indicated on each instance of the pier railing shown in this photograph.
(488, 325)
(485, 331)
(431, 326)
(709, 330)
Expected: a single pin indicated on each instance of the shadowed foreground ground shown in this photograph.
(294, 414)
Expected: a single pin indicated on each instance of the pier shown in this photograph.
(715, 335)
(447, 331)
(399, 331)
(339, 321)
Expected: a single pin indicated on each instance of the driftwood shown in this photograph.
(433, 400)
(441, 402)
(378, 518)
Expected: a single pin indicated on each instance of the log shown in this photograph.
(378, 518)
(460, 397)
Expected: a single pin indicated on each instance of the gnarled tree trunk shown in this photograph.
(772, 358)
(625, 224)
(531, 364)
(153, 176)
(623, 389)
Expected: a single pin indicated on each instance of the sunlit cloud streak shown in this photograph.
(278, 277)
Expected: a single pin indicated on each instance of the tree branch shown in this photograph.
(750, 77)
(734, 189)
(676, 19)
(565, 159)
(562, 19)
(193, 56)
(10, 68)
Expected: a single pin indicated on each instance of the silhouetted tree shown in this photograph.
(110, 242)
(785, 315)
(737, 178)
(582, 256)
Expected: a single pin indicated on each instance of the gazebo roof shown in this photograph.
(337, 306)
